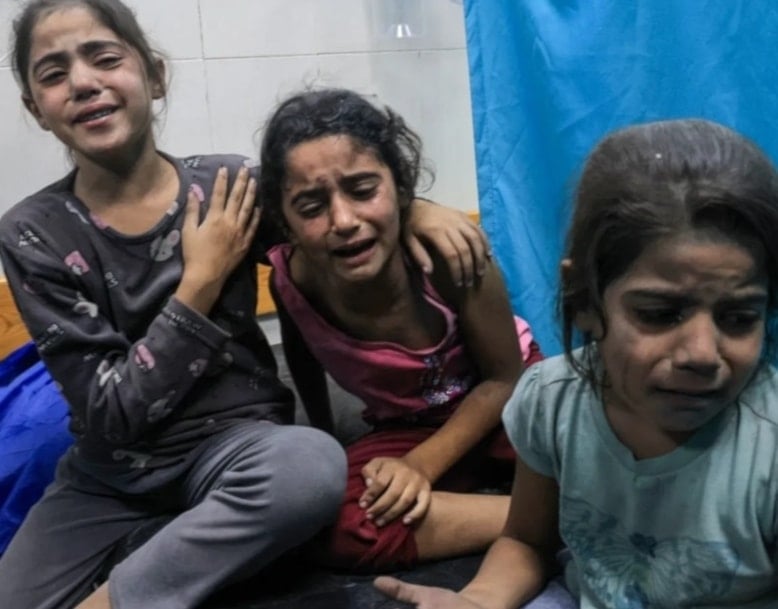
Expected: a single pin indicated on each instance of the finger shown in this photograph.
(251, 229)
(396, 589)
(467, 263)
(418, 511)
(192, 214)
(479, 247)
(419, 253)
(219, 194)
(452, 253)
(404, 502)
(237, 192)
(370, 470)
(382, 504)
(248, 204)
(375, 488)
(369, 474)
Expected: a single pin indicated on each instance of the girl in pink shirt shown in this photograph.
(433, 360)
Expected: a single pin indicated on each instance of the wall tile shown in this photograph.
(251, 54)
(418, 85)
(173, 27)
(184, 123)
(247, 28)
(176, 33)
(32, 158)
(8, 12)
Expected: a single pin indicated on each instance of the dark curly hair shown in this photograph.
(656, 180)
(313, 114)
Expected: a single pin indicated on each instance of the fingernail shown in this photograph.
(363, 504)
(481, 271)
(369, 516)
(380, 522)
(426, 270)
(368, 481)
(406, 520)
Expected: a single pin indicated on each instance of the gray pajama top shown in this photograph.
(146, 378)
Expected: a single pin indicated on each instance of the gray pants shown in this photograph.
(252, 493)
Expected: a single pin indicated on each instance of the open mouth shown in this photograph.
(354, 249)
(93, 116)
(692, 396)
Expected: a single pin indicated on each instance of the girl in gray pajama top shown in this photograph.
(137, 288)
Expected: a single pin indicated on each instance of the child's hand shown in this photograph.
(214, 247)
(423, 597)
(452, 233)
(394, 489)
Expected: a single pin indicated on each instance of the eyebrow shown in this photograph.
(751, 296)
(87, 48)
(308, 192)
(348, 180)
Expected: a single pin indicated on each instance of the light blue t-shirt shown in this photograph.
(697, 527)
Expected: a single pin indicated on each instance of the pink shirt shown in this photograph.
(421, 386)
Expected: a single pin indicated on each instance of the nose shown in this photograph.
(84, 82)
(698, 345)
(342, 217)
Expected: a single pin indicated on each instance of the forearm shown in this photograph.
(511, 574)
(127, 390)
(475, 418)
(118, 388)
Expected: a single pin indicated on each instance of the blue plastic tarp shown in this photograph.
(33, 435)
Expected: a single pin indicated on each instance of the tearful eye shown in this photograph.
(364, 192)
(659, 317)
(739, 321)
(107, 61)
(51, 77)
(310, 209)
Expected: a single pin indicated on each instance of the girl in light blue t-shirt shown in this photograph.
(651, 452)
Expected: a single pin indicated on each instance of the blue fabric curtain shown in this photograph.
(550, 77)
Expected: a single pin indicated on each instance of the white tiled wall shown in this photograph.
(231, 61)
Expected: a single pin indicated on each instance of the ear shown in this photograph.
(33, 109)
(159, 86)
(587, 322)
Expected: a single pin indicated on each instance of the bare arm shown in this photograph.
(396, 487)
(489, 334)
(518, 564)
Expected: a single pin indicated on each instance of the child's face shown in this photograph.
(340, 204)
(87, 86)
(685, 328)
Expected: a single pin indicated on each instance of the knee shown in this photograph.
(356, 543)
(313, 473)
